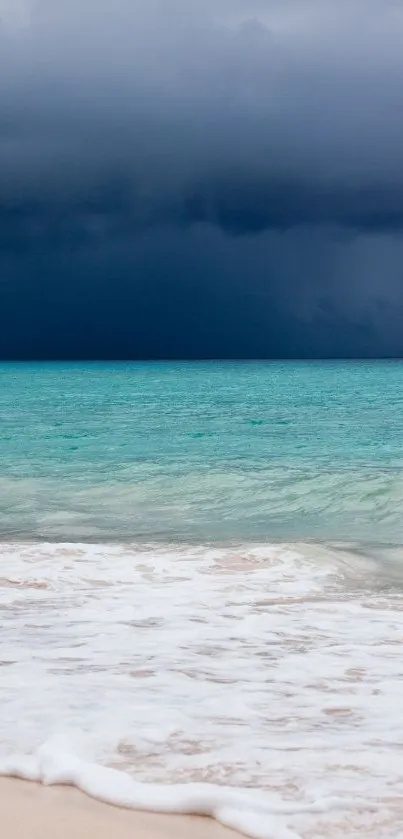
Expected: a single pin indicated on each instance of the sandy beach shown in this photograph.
(31, 811)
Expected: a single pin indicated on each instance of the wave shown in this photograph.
(248, 812)
(269, 672)
(244, 502)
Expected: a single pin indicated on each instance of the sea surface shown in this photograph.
(201, 581)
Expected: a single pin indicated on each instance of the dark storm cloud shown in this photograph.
(201, 178)
(242, 114)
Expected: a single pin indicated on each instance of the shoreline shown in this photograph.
(31, 811)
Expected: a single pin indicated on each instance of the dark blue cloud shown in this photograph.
(201, 180)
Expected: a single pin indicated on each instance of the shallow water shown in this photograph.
(273, 667)
(266, 655)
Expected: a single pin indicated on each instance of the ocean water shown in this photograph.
(202, 452)
(201, 589)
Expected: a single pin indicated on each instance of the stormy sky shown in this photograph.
(201, 178)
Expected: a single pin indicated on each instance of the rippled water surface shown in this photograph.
(201, 579)
(196, 452)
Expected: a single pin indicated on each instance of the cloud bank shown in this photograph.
(201, 179)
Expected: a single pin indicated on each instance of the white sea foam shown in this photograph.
(174, 679)
(250, 813)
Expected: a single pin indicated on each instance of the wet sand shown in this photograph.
(31, 811)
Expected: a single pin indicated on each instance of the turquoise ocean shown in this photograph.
(201, 580)
(202, 452)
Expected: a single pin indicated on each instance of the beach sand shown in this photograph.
(31, 811)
